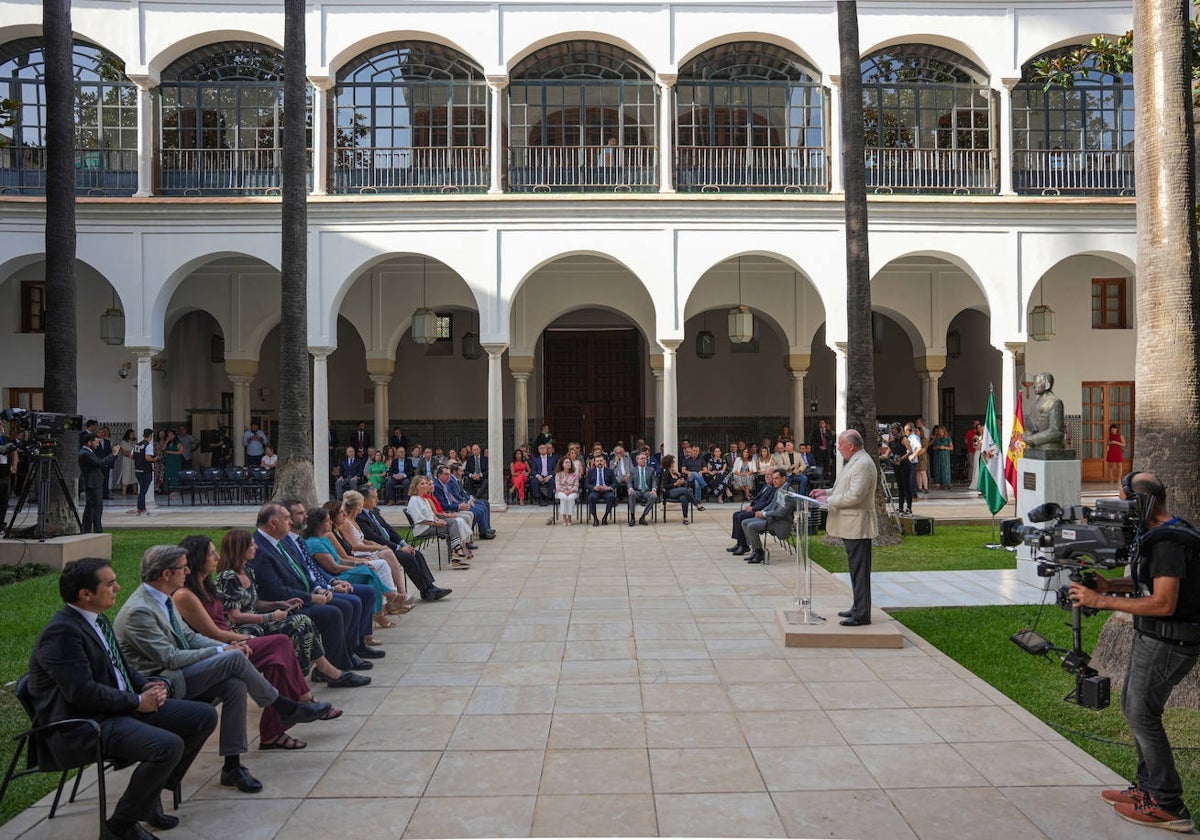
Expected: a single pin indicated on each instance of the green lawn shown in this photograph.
(950, 548)
(24, 609)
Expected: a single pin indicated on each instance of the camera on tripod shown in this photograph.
(1079, 541)
(41, 427)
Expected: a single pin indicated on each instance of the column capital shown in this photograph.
(521, 376)
(240, 379)
(241, 367)
(378, 366)
(145, 81)
(140, 352)
(1007, 83)
(520, 365)
(670, 345)
(797, 362)
(496, 81)
(666, 80)
(930, 364)
(656, 362)
(834, 81)
(322, 83)
(321, 353)
(495, 349)
(379, 379)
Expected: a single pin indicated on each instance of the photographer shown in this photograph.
(1163, 596)
(8, 472)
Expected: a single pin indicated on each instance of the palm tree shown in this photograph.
(294, 475)
(59, 383)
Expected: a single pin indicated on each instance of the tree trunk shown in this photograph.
(59, 382)
(860, 359)
(294, 474)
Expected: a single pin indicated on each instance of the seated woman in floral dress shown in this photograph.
(332, 554)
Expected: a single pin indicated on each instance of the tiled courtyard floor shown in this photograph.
(628, 681)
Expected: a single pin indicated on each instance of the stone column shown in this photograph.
(144, 386)
(930, 369)
(496, 150)
(521, 368)
(834, 121)
(1008, 390)
(669, 435)
(839, 386)
(797, 366)
(495, 417)
(321, 141)
(656, 368)
(1006, 136)
(380, 372)
(666, 140)
(242, 373)
(145, 138)
(320, 418)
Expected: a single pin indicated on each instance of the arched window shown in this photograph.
(582, 115)
(411, 116)
(221, 120)
(749, 115)
(1077, 139)
(105, 119)
(928, 120)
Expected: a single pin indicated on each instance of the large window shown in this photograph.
(411, 116)
(749, 115)
(105, 120)
(1108, 304)
(582, 115)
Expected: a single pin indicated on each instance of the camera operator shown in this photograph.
(8, 472)
(1163, 596)
(91, 475)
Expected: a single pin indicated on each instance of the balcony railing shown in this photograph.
(216, 171)
(97, 171)
(411, 169)
(583, 168)
(766, 168)
(958, 171)
(1085, 172)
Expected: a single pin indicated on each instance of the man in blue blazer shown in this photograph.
(481, 509)
(349, 473)
(600, 484)
(760, 502)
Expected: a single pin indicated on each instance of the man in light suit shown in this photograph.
(852, 517)
(621, 466)
(156, 641)
(776, 517)
(542, 468)
(76, 672)
(599, 482)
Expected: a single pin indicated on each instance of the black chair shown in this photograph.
(229, 486)
(205, 485)
(40, 758)
(416, 541)
(664, 502)
(258, 486)
(187, 481)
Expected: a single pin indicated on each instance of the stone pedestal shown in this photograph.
(1038, 482)
(57, 552)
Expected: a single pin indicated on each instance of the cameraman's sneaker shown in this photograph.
(1149, 813)
(1132, 795)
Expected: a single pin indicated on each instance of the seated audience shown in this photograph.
(673, 484)
(741, 478)
(718, 473)
(621, 465)
(643, 482)
(346, 525)
(519, 475)
(695, 469)
(377, 529)
(269, 458)
(333, 555)
(400, 470)
(349, 472)
(426, 517)
(543, 469)
(600, 487)
(566, 489)
(761, 499)
(777, 517)
(475, 469)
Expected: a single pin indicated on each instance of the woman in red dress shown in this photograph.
(520, 474)
(1114, 458)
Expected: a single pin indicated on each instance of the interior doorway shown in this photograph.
(593, 386)
(1105, 404)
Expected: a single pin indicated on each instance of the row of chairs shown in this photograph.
(229, 486)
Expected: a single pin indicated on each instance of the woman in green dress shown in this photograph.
(174, 452)
(941, 447)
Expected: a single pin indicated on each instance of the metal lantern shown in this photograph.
(741, 325)
(112, 326)
(1041, 323)
(706, 345)
(424, 326)
(471, 349)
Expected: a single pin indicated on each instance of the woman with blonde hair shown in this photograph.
(424, 511)
(381, 558)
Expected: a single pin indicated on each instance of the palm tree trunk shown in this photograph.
(860, 359)
(294, 475)
(59, 383)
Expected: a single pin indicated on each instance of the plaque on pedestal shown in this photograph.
(1041, 480)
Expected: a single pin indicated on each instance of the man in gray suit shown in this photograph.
(777, 516)
(852, 517)
(156, 642)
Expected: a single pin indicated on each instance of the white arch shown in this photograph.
(351, 51)
(533, 46)
(934, 39)
(177, 49)
(175, 278)
(773, 38)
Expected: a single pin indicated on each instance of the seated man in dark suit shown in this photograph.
(376, 529)
(481, 509)
(642, 481)
(155, 640)
(399, 474)
(282, 578)
(542, 467)
(600, 483)
(349, 473)
(77, 670)
(760, 501)
(776, 516)
(474, 480)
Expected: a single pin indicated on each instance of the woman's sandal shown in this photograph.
(332, 714)
(284, 742)
(383, 622)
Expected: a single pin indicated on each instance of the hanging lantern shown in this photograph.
(424, 326)
(471, 349)
(741, 325)
(1041, 323)
(112, 326)
(706, 345)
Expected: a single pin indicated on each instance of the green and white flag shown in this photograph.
(991, 461)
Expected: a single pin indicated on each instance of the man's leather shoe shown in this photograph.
(134, 832)
(854, 622)
(733, 548)
(488, 535)
(604, 521)
(161, 821)
(846, 614)
(472, 546)
(305, 713)
(369, 652)
(740, 550)
(240, 778)
(632, 523)
(595, 522)
(357, 663)
(755, 557)
(643, 521)
(435, 594)
(348, 679)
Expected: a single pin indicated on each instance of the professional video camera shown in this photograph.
(1079, 541)
(41, 427)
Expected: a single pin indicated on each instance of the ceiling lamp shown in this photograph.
(471, 348)
(1041, 320)
(424, 319)
(112, 324)
(741, 319)
(706, 342)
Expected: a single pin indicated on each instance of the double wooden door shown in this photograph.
(1105, 404)
(593, 386)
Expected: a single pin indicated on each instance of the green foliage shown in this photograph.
(951, 548)
(24, 571)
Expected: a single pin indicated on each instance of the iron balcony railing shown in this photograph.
(1084, 172)
(411, 169)
(97, 171)
(583, 168)
(767, 168)
(931, 170)
(215, 171)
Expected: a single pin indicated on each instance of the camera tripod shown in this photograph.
(45, 471)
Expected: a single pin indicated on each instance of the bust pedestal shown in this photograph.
(1039, 480)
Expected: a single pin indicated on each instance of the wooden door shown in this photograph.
(1104, 403)
(593, 386)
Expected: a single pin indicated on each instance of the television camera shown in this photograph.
(1079, 541)
(41, 426)
(45, 474)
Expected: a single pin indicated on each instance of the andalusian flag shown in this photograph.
(1016, 447)
(991, 461)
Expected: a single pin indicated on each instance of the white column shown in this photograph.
(1008, 391)
(241, 415)
(145, 399)
(380, 381)
(520, 407)
(495, 419)
(669, 435)
(1006, 136)
(666, 138)
(839, 386)
(321, 140)
(145, 140)
(659, 407)
(496, 150)
(930, 404)
(320, 418)
(834, 120)
(798, 404)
